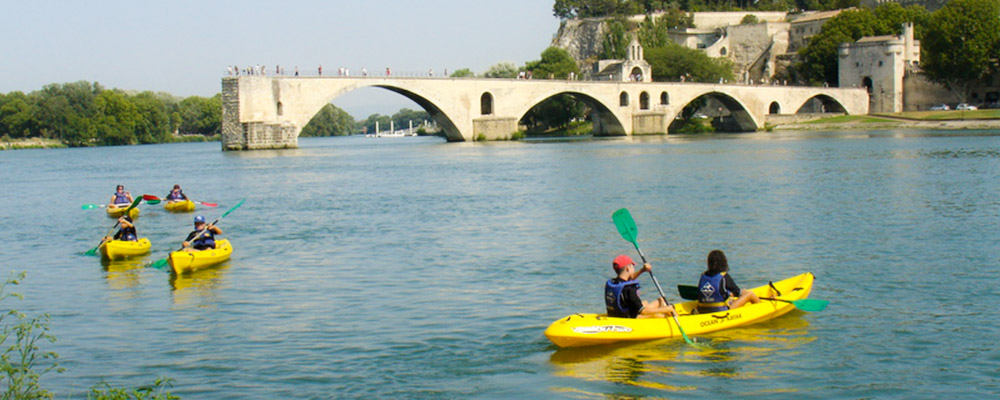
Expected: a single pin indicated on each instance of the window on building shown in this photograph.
(623, 99)
(644, 101)
(664, 98)
(486, 104)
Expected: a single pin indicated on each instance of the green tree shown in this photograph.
(329, 121)
(556, 63)
(116, 118)
(672, 61)
(961, 47)
(615, 42)
(17, 116)
(201, 115)
(749, 19)
(403, 117)
(504, 69)
(463, 73)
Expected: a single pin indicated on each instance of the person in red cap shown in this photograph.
(621, 293)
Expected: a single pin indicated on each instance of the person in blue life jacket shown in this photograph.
(717, 289)
(621, 293)
(176, 194)
(126, 230)
(120, 198)
(206, 240)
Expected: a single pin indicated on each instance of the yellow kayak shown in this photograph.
(593, 329)
(115, 212)
(185, 261)
(179, 206)
(120, 249)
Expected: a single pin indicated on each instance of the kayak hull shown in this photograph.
(185, 261)
(179, 206)
(122, 249)
(115, 212)
(594, 329)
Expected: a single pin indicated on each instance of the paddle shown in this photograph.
(159, 264)
(93, 251)
(691, 293)
(627, 228)
(151, 199)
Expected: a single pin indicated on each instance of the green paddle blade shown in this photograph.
(153, 202)
(159, 264)
(88, 206)
(810, 304)
(626, 225)
(91, 252)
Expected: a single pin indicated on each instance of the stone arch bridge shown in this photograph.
(269, 112)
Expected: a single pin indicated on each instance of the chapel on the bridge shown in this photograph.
(633, 68)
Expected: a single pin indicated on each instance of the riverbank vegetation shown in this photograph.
(23, 363)
(87, 114)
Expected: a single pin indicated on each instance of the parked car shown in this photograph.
(940, 107)
(965, 107)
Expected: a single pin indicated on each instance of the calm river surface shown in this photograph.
(414, 268)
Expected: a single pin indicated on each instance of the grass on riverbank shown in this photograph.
(30, 143)
(573, 129)
(850, 119)
(950, 115)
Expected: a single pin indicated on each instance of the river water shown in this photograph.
(414, 268)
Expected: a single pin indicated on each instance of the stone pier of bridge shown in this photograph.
(260, 112)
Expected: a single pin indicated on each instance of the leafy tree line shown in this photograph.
(960, 42)
(569, 9)
(87, 114)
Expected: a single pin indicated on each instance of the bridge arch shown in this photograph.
(606, 122)
(821, 103)
(312, 106)
(739, 119)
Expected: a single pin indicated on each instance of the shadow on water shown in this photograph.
(673, 366)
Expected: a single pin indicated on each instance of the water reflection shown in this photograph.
(744, 353)
(124, 274)
(197, 287)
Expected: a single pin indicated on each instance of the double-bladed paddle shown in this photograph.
(159, 264)
(156, 200)
(93, 251)
(627, 228)
(688, 292)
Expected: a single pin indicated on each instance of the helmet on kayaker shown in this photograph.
(621, 261)
(199, 219)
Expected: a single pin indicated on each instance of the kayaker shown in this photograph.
(621, 293)
(206, 240)
(126, 230)
(717, 289)
(176, 194)
(121, 198)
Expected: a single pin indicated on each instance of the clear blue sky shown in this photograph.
(183, 47)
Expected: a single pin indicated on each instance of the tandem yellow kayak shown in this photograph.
(179, 206)
(594, 329)
(121, 249)
(115, 212)
(185, 261)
